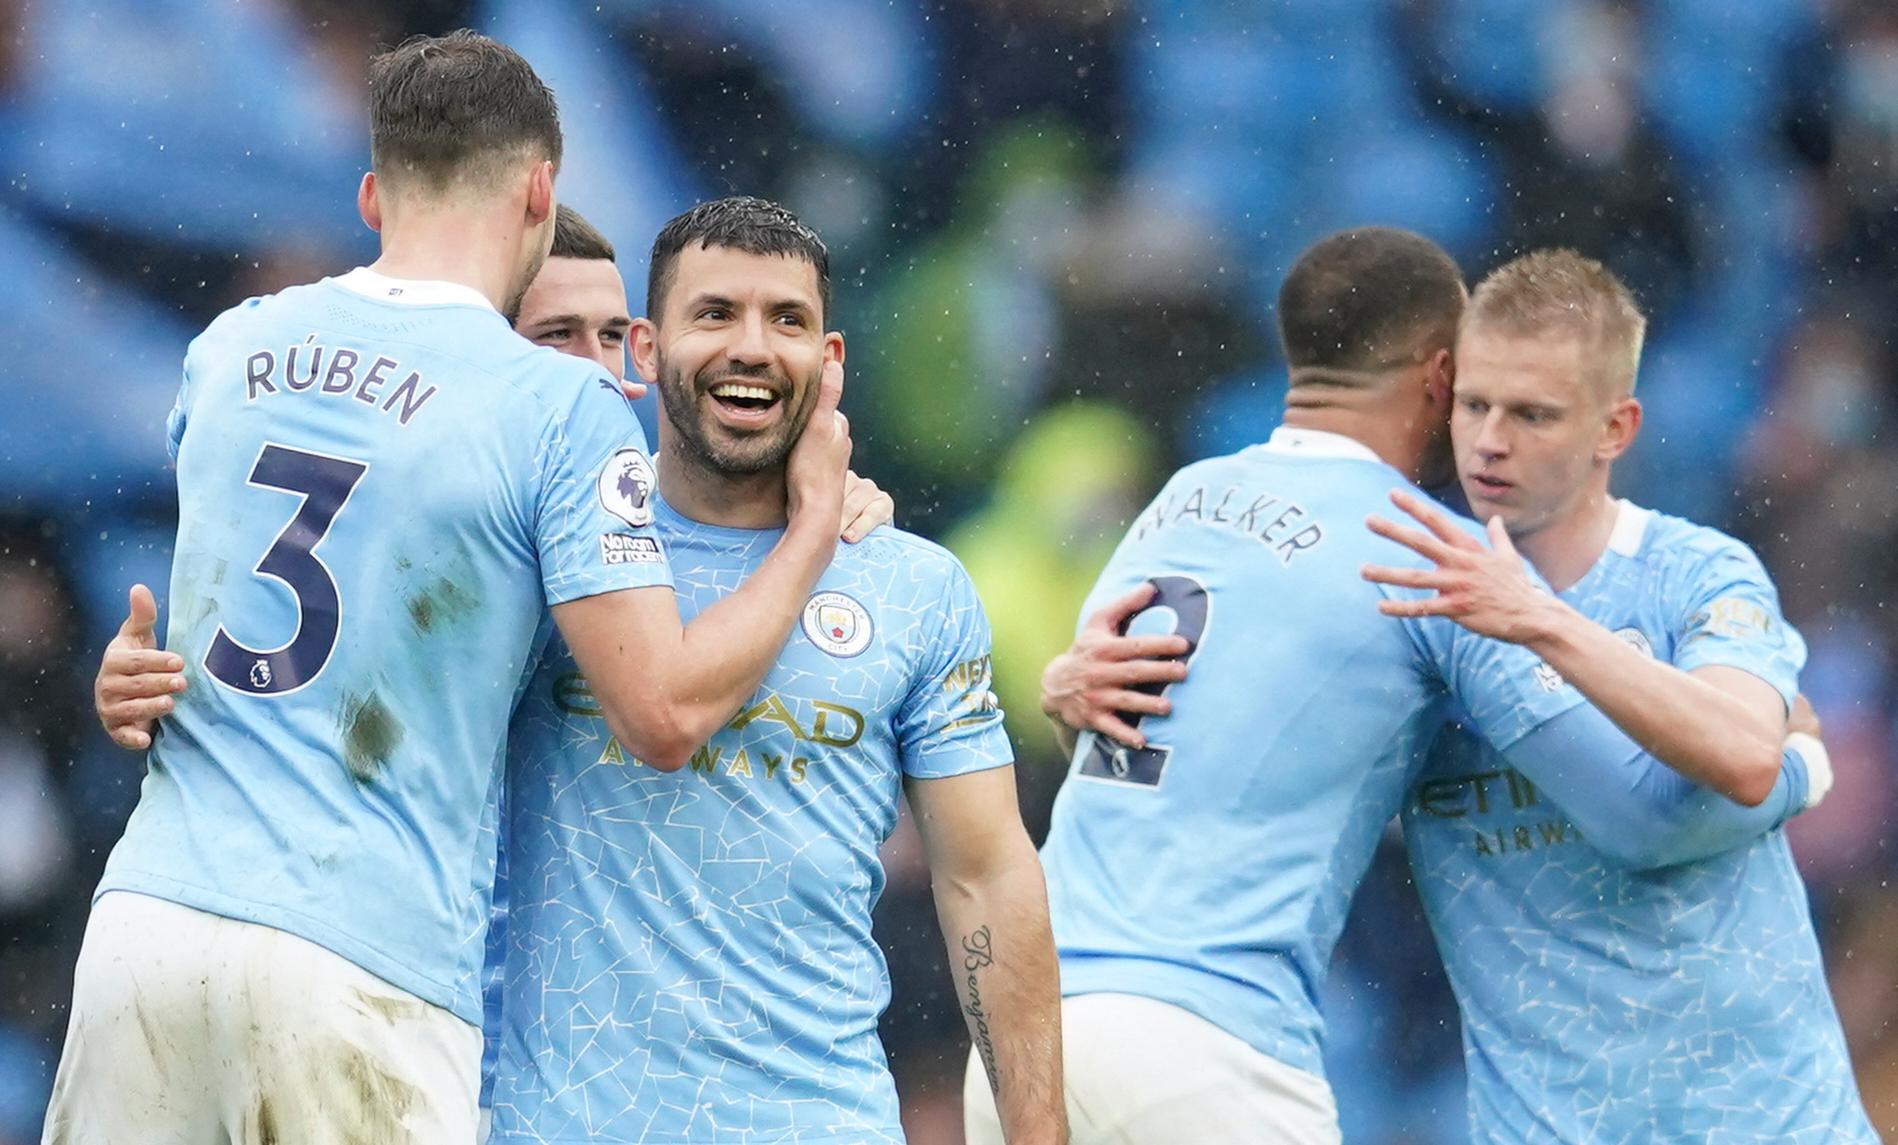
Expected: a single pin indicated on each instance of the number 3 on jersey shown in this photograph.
(1105, 759)
(325, 484)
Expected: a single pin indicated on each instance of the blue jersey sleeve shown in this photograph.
(1636, 810)
(1733, 620)
(594, 520)
(1506, 690)
(950, 723)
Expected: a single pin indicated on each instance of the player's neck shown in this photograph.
(450, 246)
(1369, 429)
(1565, 549)
(698, 492)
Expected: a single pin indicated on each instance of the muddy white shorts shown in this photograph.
(1144, 1072)
(188, 1027)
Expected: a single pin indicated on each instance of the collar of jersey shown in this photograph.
(1319, 443)
(1631, 527)
(1624, 540)
(681, 525)
(410, 291)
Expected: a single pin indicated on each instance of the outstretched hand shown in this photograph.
(1098, 680)
(1485, 588)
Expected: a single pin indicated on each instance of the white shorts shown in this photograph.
(1143, 1072)
(191, 1028)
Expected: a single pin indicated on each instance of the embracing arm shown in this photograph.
(665, 686)
(1105, 675)
(1638, 812)
(993, 905)
(1717, 726)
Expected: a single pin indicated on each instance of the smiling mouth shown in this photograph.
(745, 400)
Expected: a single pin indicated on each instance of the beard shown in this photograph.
(517, 295)
(688, 405)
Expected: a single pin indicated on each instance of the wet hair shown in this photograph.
(743, 223)
(457, 110)
(574, 237)
(1362, 301)
(1562, 292)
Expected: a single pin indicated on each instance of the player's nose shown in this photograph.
(749, 343)
(1491, 438)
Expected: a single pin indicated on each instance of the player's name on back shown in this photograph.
(340, 372)
(1266, 517)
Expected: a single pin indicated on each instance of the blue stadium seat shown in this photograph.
(92, 370)
(620, 168)
(208, 124)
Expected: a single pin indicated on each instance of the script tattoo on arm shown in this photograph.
(978, 955)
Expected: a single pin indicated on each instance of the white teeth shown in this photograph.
(735, 390)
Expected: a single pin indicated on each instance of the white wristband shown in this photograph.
(1818, 766)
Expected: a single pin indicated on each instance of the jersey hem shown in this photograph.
(365, 957)
(1689, 660)
(972, 763)
(579, 586)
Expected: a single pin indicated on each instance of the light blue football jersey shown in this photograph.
(1212, 869)
(1616, 1006)
(381, 486)
(689, 955)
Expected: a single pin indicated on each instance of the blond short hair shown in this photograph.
(1561, 291)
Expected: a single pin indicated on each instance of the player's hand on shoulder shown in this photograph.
(815, 472)
(1803, 736)
(866, 507)
(1485, 588)
(1096, 682)
(137, 680)
(1803, 719)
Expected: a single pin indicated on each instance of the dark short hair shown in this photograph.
(574, 237)
(456, 108)
(1365, 300)
(741, 222)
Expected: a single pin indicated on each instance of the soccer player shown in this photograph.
(381, 490)
(1651, 977)
(1199, 874)
(689, 955)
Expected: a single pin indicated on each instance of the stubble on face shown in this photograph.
(688, 407)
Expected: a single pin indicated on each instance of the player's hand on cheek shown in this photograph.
(633, 388)
(1092, 685)
(1486, 589)
(814, 475)
(136, 680)
(865, 507)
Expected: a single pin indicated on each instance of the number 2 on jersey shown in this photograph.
(1106, 759)
(325, 484)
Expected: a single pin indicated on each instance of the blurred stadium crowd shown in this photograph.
(1056, 228)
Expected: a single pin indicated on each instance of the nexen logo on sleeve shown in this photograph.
(627, 549)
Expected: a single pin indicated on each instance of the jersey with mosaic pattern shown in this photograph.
(688, 956)
(1617, 998)
(381, 488)
(1212, 869)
